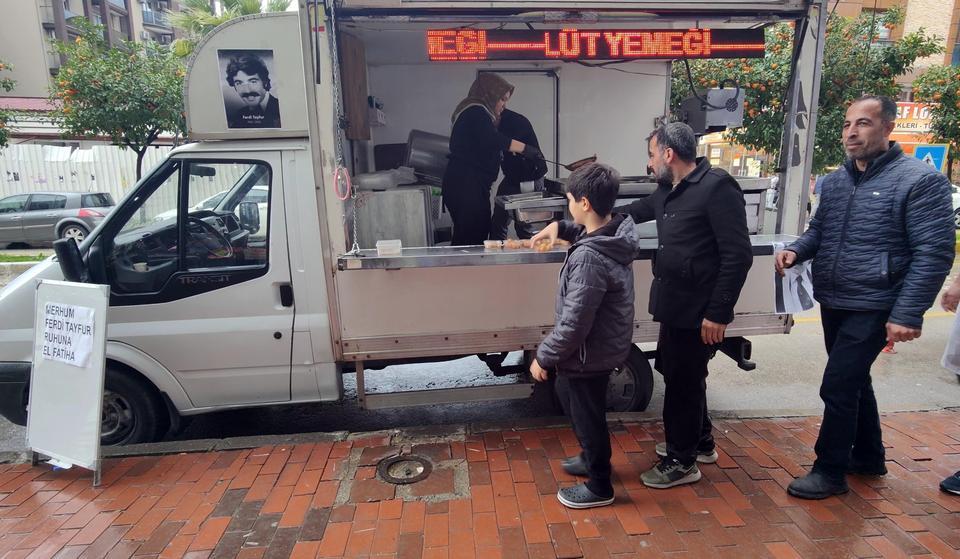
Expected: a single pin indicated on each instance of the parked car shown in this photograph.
(43, 217)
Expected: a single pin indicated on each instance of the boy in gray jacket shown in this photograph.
(594, 325)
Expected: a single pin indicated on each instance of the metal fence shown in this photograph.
(28, 168)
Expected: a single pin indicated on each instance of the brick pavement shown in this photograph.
(491, 495)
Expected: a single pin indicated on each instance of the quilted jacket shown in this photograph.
(882, 239)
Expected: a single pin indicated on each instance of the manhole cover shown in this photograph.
(402, 470)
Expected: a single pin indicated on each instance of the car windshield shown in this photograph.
(211, 202)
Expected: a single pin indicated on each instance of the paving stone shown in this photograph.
(439, 482)
(368, 490)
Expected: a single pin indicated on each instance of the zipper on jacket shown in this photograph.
(843, 233)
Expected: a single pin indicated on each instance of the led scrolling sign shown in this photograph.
(462, 45)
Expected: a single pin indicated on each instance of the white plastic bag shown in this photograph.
(951, 355)
(793, 290)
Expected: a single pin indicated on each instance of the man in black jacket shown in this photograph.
(702, 261)
(882, 242)
(516, 169)
(701, 264)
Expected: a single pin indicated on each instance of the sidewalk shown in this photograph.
(490, 494)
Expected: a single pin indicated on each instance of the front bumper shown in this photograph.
(14, 381)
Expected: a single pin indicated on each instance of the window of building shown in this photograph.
(882, 34)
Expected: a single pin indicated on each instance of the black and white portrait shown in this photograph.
(249, 95)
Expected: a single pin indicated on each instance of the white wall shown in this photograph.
(602, 111)
(34, 167)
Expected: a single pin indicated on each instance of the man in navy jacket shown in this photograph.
(882, 242)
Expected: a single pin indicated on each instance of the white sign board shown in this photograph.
(66, 380)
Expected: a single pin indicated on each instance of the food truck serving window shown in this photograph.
(455, 45)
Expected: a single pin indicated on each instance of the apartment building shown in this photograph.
(28, 27)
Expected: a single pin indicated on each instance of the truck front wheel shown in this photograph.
(631, 384)
(132, 411)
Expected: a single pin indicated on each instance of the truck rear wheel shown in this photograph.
(631, 385)
(132, 410)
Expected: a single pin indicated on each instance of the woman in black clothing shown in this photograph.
(475, 151)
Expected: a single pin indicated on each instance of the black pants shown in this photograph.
(851, 421)
(500, 223)
(584, 400)
(683, 361)
(468, 200)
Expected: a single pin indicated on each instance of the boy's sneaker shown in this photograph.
(704, 457)
(575, 466)
(669, 473)
(951, 484)
(580, 497)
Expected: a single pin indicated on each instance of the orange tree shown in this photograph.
(854, 63)
(939, 86)
(130, 94)
(6, 84)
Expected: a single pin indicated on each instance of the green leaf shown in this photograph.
(278, 5)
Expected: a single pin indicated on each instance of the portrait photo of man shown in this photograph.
(249, 97)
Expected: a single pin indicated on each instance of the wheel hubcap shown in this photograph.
(621, 389)
(117, 420)
(73, 233)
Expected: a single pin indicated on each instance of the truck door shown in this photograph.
(206, 292)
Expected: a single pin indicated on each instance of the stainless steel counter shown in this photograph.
(433, 257)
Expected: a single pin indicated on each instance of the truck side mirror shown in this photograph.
(71, 263)
(250, 216)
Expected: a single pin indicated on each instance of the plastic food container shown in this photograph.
(493, 245)
(391, 247)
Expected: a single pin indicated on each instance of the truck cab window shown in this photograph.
(145, 250)
(227, 221)
(225, 225)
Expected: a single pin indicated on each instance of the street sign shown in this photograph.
(934, 155)
(66, 380)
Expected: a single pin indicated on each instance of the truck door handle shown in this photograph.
(286, 295)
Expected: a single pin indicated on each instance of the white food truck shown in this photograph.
(273, 294)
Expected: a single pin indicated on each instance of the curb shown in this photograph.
(419, 434)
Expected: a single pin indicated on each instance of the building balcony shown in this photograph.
(117, 5)
(156, 19)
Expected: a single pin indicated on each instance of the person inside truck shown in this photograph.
(516, 170)
(476, 148)
(249, 77)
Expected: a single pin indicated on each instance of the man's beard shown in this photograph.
(664, 176)
(868, 153)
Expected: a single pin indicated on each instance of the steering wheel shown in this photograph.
(224, 249)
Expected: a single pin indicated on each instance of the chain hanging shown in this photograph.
(340, 120)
